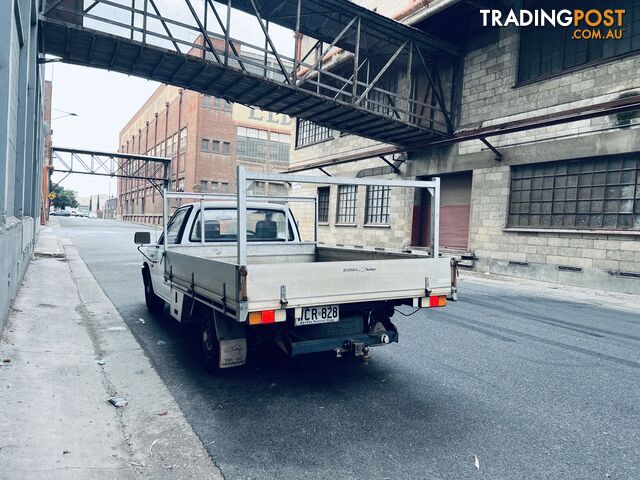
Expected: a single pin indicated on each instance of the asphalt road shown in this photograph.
(535, 387)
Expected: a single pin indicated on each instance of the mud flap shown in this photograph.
(232, 339)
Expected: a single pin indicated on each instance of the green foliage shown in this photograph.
(64, 198)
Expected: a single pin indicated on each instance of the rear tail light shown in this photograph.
(435, 301)
(266, 317)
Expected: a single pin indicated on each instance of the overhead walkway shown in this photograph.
(349, 68)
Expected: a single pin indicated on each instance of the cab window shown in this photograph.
(175, 227)
(263, 225)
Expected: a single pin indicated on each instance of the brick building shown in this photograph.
(562, 204)
(205, 137)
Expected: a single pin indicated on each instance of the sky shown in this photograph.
(105, 101)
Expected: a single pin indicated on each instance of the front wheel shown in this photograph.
(154, 303)
(209, 344)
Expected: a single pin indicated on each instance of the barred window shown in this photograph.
(323, 204)
(347, 201)
(204, 146)
(600, 193)
(547, 50)
(204, 185)
(377, 206)
(226, 148)
(308, 133)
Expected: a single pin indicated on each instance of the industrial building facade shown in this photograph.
(22, 132)
(205, 137)
(558, 203)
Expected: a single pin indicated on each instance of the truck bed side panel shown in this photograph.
(214, 280)
(327, 283)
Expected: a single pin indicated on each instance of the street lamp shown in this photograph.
(48, 168)
(66, 114)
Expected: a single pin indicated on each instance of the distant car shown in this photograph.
(61, 213)
(92, 215)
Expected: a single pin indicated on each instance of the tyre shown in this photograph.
(209, 345)
(154, 303)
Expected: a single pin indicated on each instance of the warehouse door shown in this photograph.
(455, 212)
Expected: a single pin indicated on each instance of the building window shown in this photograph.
(183, 138)
(308, 133)
(205, 145)
(214, 186)
(347, 200)
(217, 103)
(252, 143)
(226, 148)
(277, 188)
(377, 206)
(261, 144)
(601, 193)
(215, 146)
(174, 140)
(378, 100)
(221, 104)
(257, 188)
(323, 204)
(279, 147)
(548, 50)
(204, 185)
(224, 187)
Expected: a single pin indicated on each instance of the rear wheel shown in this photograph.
(209, 344)
(154, 303)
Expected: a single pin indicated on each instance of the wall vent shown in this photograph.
(625, 119)
(568, 268)
(630, 274)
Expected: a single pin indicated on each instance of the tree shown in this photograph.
(64, 198)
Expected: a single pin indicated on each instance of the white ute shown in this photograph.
(267, 285)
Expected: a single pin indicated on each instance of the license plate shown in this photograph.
(313, 315)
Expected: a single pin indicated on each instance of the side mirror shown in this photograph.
(142, 238)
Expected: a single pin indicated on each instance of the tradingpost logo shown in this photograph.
(602, 24)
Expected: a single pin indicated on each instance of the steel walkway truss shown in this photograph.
(340, 65)
(115, 165)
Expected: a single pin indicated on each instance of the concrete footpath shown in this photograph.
(64, 352)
